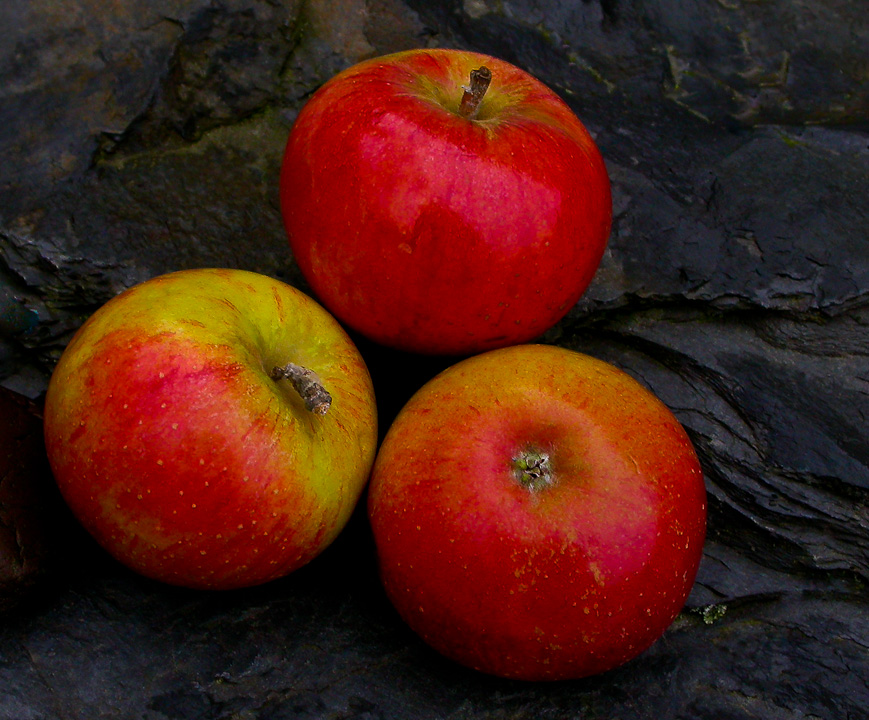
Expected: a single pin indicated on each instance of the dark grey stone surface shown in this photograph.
(146, 136)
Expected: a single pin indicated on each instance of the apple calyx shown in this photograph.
(474, 92)
(307, 384)
(532, 470)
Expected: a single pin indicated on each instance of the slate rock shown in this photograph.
(745, 63)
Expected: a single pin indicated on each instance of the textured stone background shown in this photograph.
(142, 136)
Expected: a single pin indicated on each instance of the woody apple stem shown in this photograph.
(474, 93)
(307, 384)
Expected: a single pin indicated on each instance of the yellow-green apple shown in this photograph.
(189, 427)
(538, 514)
(443, 201)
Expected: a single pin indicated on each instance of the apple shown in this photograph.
(444, 202)
(537, 514)
(211, 428)
(33, 521)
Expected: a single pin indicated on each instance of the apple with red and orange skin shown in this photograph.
(182, 452)
(439, 226)
(537, 513)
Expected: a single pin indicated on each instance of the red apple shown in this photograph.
(181, 450)
(432, 226)
(538, 514)
(33, 521)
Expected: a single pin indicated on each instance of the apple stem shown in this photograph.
(532, 470)
(307, 384)
(474, 93)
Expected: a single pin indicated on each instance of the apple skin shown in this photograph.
(433, 233)
(558, 581)
(179, 453)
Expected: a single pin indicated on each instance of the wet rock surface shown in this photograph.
(735, 285)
